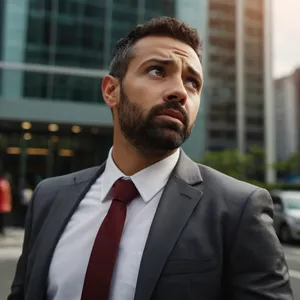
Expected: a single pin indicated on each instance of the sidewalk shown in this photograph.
(14, 238)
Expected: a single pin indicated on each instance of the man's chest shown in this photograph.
(72, 253)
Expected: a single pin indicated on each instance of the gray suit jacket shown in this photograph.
(212, 238)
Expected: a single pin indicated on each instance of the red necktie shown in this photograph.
(102, 260)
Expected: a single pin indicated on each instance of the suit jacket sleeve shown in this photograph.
(18, 285)
(257, 267)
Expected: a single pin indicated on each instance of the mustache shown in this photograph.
(170, 105)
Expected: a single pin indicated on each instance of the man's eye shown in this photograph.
(193, 83)
(156, 71)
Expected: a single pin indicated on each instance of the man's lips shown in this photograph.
(173, 113)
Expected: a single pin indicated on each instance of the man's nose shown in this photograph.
(177, 93)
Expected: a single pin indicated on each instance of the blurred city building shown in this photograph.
(53, 55)
(235, 110)
(287, 117)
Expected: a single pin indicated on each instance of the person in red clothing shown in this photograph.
(5, 201)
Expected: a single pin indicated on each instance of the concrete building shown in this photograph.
(287, 117)
(53, 55)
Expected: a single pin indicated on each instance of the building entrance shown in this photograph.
(31, 152)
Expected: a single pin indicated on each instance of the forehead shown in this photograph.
(165, 48)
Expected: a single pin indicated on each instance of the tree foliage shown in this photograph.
(230, 162)
(291, 166)
(250, 166)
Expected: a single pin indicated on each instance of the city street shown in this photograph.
(10, 249)
(292, 254)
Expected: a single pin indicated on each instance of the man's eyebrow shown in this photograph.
(161, 61)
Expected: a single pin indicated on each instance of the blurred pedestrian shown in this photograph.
(151, 224)
(26, 195)
(5, 201)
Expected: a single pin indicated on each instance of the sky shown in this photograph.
(286, 36)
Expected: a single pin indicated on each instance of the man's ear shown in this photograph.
(110, 90)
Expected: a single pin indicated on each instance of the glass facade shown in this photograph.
(62, 87)
(66, 33)
(78, 34)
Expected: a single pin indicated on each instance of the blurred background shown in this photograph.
(54, 54)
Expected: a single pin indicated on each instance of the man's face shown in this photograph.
(159, 96)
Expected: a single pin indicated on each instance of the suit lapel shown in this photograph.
(65, 204)
(178, 201)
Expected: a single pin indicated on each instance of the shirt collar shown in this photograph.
(156, 174)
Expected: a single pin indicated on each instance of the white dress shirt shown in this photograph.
(71, 256)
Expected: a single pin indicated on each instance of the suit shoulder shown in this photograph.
(226, 187)
(47, 189)
(55, 183)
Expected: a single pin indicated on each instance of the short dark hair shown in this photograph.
(161, 26)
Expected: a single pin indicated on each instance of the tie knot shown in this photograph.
(124, 191)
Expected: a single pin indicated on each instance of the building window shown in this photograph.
(62, 87)
(215, 134)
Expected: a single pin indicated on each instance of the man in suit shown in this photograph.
(150, 224)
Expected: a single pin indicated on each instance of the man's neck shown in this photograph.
(131, 160)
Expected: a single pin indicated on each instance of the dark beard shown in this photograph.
(145, 133)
